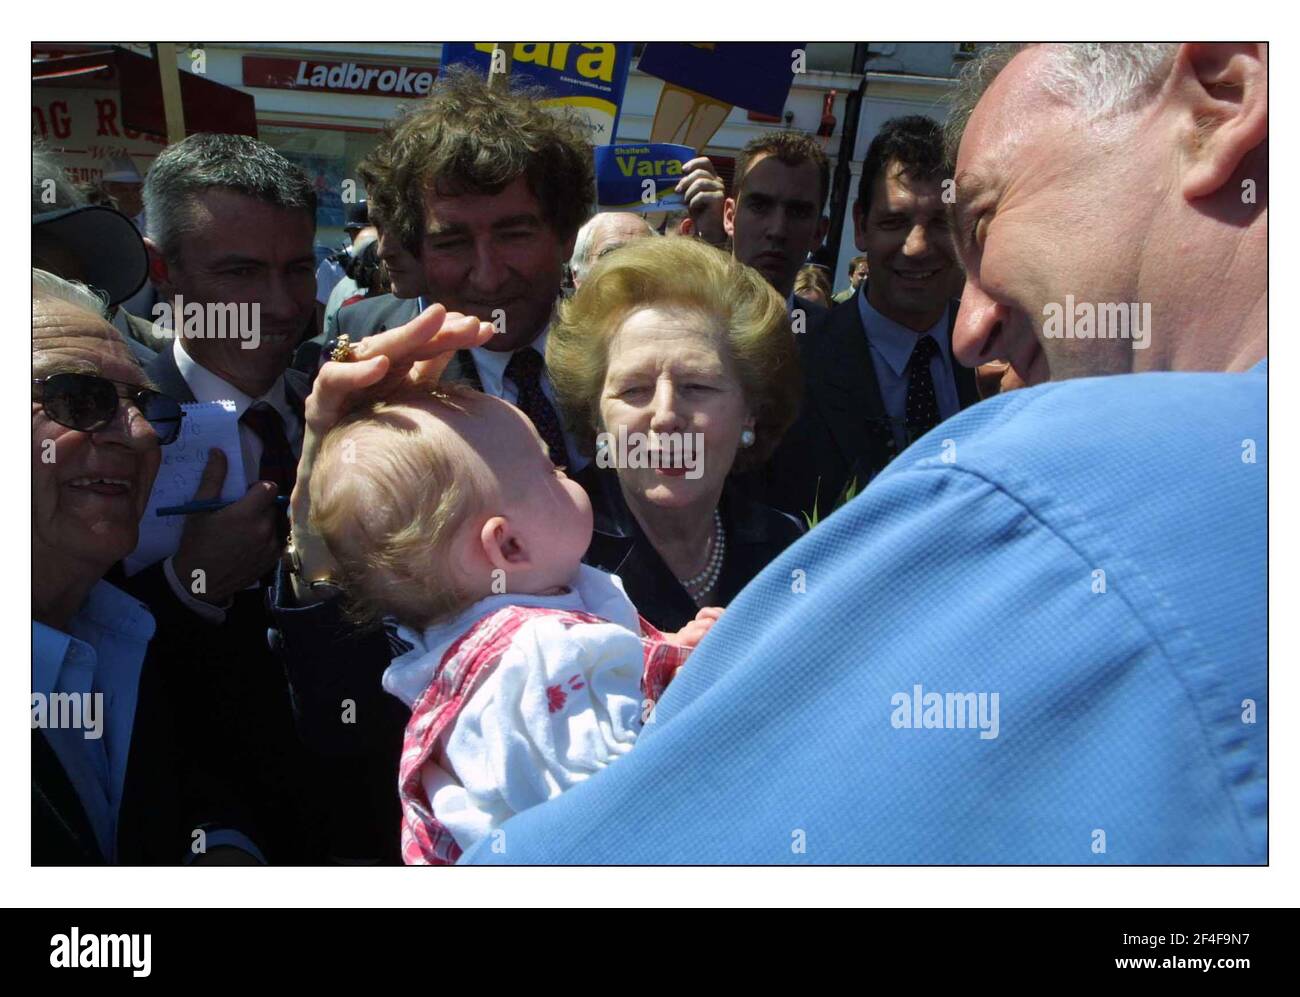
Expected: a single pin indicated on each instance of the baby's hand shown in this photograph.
(694, 632)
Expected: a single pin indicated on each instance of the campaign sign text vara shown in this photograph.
(640, 177)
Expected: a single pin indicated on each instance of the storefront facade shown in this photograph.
(324, 106)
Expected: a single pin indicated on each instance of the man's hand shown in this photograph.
(382, 365)
(704, 192)
(233, 547)
(694, 632)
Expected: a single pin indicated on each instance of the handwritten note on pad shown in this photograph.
(206, 425)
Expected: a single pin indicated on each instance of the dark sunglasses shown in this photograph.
(88, 402)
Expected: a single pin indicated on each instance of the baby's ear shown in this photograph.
(502, 545)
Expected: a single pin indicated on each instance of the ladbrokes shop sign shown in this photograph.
(367, 78)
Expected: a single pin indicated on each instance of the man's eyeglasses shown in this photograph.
(88, 402)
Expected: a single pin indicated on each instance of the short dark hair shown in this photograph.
(915, 142)
(468, 137)
(853, 263)
(207, 160)
(791, 148)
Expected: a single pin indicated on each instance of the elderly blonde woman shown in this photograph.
(668, 340)
(676, 365)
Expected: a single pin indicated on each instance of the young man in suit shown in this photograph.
(776, 216)
(881, 372)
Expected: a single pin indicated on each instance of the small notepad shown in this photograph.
(206, 425)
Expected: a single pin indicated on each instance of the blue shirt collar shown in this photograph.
(894, 341)
(107, 610)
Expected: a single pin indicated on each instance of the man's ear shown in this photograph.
(159, 275)
(729, 217)
(859, 228)
(1225, 90)
(502, 546)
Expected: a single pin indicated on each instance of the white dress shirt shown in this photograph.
(491, 365)
(208, 387)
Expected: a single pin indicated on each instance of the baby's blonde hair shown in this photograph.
(388, 497)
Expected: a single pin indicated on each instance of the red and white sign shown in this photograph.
(370, 79)
(85, 128)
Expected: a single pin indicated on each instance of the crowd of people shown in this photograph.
(570, 540)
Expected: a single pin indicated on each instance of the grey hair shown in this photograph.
(1102, 78)
(580, 263)
(204, 161)
(50, 287)
(46, 167)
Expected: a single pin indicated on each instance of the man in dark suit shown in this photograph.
(881, 372)
(231, 223)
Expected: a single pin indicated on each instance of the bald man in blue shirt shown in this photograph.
(1040, 635)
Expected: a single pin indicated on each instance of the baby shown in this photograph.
(527, 671)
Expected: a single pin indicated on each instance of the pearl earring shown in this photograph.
(746, 437)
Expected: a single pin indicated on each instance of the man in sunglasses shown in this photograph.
(109, 784)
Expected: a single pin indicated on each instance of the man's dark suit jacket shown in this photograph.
(246, 731)
(843, 433)
(166, 796)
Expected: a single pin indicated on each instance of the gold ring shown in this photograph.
(342, 352)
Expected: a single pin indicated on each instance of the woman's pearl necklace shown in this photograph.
(706, 579)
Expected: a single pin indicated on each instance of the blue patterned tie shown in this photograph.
(525, 370)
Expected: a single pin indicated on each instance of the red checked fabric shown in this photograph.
(425, 841)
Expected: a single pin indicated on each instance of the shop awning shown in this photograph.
(209, 106)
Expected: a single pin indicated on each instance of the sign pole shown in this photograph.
(170, 78)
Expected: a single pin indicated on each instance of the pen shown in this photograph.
(209, 505)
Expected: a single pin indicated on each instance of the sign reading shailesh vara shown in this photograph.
(640, 177)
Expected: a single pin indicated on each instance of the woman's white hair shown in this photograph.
(1101, 78)
(48, 287)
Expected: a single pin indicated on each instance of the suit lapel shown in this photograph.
(846, 389)
(58, 813)
(164, 372)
